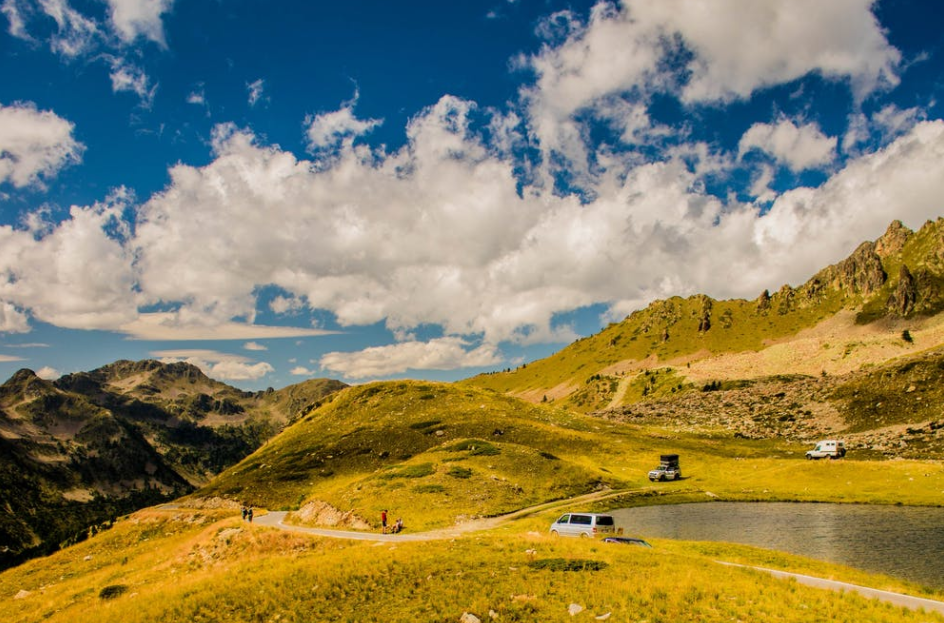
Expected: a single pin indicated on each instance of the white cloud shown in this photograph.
(197, 96)
(302, 371)
(894, 121)
(17, 28)
(131, 19)
(128, 77)
(12, 320)
(736, 47)
(798, 147)
(34, 144)
(220, 366)
(447, 353)
(47, 373)
(9, 359)
(194, 327)
(256, 89)
(254, 346)
(741, 46)
(74, 274)
(330, 129)
(77, 33)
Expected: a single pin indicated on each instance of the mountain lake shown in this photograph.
(905, 542)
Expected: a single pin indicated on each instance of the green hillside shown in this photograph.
(886, 287)
(79, 451)
(442, 451)
(179, 565)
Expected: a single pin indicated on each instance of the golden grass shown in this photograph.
(183, 566)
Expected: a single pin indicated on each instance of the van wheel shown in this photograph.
(555, 533)
(584, 535)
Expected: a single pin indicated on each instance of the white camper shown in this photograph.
(827, 448)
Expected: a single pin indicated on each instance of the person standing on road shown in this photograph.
(383, 521)
(249, 514)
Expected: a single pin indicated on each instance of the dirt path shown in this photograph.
(276, 520)
(898, 599)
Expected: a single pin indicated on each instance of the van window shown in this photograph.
(564, 519)
(583, 520)
(604, 520)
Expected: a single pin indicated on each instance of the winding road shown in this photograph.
(276, 520)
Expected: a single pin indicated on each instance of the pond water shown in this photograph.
(900, 541)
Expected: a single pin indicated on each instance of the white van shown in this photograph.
(583, 524)
(828, 448)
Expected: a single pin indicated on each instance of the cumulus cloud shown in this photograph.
(798, 147)
(328, 130)
(9, 358)
(12, 320)
(75, 274)
(301, 371)
(447, 353)
(217, 365)
(254, 346)
(50, 374)
(34, 144)
(131, 19)
(734, 48)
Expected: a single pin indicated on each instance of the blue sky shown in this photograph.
(368, 190)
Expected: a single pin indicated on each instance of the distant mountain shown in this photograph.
(881, 303)
(78, 451)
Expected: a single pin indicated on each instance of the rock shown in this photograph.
(468, 617)
(574, 609)
(23, 594)
(603, 617)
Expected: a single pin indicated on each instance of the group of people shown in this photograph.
(396, 527)
(247, 513)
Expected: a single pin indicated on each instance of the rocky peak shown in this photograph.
(893, 240)
(861, 273)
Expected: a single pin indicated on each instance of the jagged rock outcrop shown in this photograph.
(862, 273)
(704, 318)
(893, 240)
(902, 301)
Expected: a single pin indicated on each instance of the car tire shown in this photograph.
(555, 533)
(809, 458)
(661, 477)
(584, 535)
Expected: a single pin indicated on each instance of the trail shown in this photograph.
(276, 520)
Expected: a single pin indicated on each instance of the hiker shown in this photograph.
(249, 514)
(245, 512)
(398, 526)
(383, 521)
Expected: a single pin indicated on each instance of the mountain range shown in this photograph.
(856, 351)
(80, 450)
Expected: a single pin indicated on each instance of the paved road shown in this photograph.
(276, 520)
(906, 601)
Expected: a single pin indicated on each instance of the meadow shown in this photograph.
(177, 565)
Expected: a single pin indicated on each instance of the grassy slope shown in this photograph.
(433, 453)
(817, 327)
(183, 566)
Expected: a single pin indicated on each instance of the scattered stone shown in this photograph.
(574, 609)
(603, 617)
(493, 615)
(468, 617)
(23, 594)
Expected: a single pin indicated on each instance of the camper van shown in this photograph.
(583, 524)
(828, 448)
